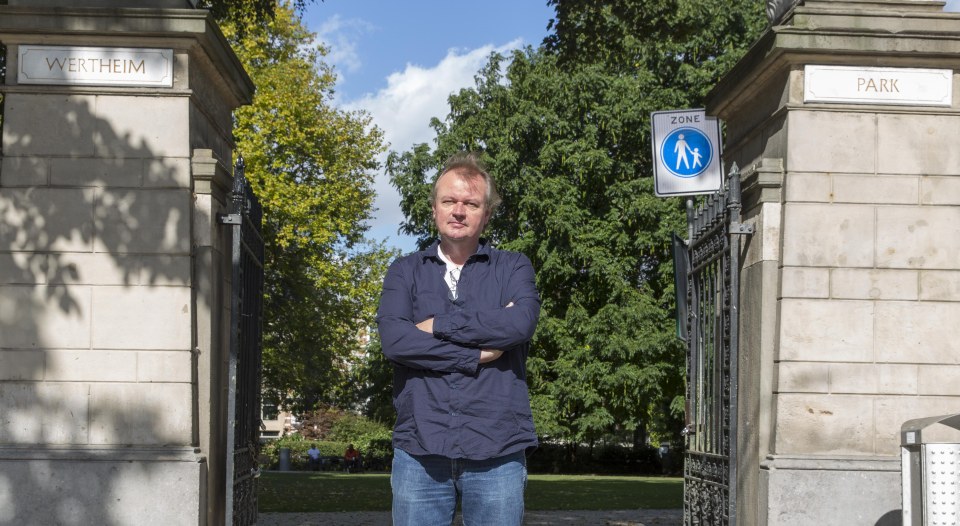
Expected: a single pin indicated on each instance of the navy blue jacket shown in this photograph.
(447, 403)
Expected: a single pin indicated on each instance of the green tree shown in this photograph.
(565, 130)
(247, 11)
(312, 167)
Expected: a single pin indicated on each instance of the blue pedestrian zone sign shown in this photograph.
(686, 152)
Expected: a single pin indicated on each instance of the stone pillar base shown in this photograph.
(801, 491)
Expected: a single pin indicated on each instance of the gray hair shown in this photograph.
(468, 165)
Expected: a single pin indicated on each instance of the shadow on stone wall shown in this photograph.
(97, 376)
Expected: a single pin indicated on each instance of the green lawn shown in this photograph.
(324, 491)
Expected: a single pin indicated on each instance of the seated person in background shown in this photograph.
(351, 459)
(314, 457)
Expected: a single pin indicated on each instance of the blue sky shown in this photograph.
(399, 60)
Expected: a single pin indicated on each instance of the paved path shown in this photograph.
(532, 518)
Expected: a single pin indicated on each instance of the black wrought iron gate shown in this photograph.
(243, 396)
(710, 461)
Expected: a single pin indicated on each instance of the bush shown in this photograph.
(298, 445)
(333, 430)
(607, 459)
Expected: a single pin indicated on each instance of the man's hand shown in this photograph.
(489, 355)
(426, 325)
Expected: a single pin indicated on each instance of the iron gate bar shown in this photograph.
(244, 365)
(713, 285)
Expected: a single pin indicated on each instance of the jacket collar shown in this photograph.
(482, 254)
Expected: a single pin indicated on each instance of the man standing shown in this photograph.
(456, 321)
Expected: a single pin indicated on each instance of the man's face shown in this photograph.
(460, 210)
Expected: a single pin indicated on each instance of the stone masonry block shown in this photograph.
(43, 413)
(918, 237)
(144, 413)
(917, 332)
(59, 124)
(804, 282)
(144, 133)
(940, 285)
(92, 268)
(919, 144)
(44, 317)
(820, 235)
(21, 365)
(940, 191)
(143, 221)
(142, 318)
(46, 219)
(165, 366)
(24, 171)
(19, 421)
(826, 330)
(844, 496)
(939, 380)
(27, 268)
(107, 491)
(892, 411)
(874, 284)
(824, 424)
(808, 187)
(853, 378)
(832, 142)
(101, 268)
(204, 223)
(165, 270)
(89, 365)
(877, 189)
(770, 219)
(89, 171)
(168, 172)
(898, 379)
(803, 377)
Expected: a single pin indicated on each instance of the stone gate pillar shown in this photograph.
(114, 301)
(846, 119)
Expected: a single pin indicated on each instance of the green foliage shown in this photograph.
(247, 12)
(360, 431)
(298, 446)
(370, 437)
(565, 130)
(312, 167)
(374, 378)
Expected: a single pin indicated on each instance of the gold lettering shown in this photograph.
(140, 67)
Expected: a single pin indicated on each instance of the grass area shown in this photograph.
(327, 491)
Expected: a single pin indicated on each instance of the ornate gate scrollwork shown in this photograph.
(712, 294)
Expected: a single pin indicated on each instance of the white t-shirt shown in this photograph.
(452, 275)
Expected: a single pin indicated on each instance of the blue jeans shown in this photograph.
(426, 490)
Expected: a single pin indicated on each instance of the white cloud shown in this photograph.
(952, 5)
(403, 111)
(341, 37)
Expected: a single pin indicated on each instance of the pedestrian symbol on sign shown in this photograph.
(686, 152)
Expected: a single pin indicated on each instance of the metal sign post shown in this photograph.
(686, 153)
